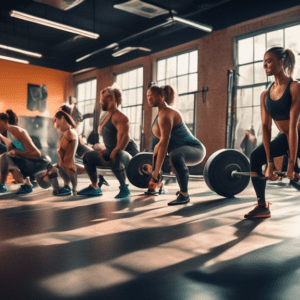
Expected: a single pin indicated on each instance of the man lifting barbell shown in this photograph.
(281, 102)
(119, 147)
(176, 139)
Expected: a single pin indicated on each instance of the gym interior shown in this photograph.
(80, 247)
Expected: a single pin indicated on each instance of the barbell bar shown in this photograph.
(217, 171)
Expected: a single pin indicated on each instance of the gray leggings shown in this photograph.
(181, 158)
(92, 159)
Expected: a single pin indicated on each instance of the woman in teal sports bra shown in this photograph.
(175, 139)
(20, 147)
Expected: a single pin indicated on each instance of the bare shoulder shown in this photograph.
(168, 115)
(295, 88)
(70, 134)
(263, 97)
(119, 117)
(264, 94)
(16, 130)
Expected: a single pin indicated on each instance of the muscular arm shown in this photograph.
(121, 123)
(31, 151)
(165, 124)
(266, 121)
(294, 119)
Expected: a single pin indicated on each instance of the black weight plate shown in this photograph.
(133, 169)
(218, 169)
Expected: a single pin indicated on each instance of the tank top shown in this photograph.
(280, 109)
(16, 143)
(109, 133)
(180, 136)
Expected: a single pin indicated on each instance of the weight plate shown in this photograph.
(218, 169)
(43, 180)
(134, 173)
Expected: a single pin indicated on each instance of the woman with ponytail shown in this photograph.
(20, 149)
(175, 138)
(67, 147)
(12, 120)
(281, 103)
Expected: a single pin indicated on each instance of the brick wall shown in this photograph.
(216, 56)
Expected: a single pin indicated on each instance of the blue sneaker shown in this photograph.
(2, 188)
(124, 192)
(64, 191)
(24, 189)
(90, 191)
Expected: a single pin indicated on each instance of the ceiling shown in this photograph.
(61, 49)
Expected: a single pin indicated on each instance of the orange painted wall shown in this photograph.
(14, 78)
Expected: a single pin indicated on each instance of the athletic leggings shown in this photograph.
(92, 159)
(181, 158)
(3, 148)
(278, 147)
(28, 167)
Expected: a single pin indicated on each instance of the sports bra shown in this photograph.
(280, 109)
(180, 136)
(16, 143)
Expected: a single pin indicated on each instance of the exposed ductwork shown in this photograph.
(141, 8)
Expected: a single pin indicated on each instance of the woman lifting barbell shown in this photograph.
(281, 102)
(175, 138)
(21, 151)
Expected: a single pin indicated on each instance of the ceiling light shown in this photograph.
(14, 59)
(97, 51)
(194, 24)
(21, 51)
(30, 18)
(128, 49)
(126, 39)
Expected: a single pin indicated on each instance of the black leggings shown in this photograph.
(181, 158)
(28, 167)
(92, 159)
(278, 147)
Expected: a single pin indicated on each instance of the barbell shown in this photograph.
(226, 172)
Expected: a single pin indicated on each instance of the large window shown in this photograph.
(131, 83)
(86, 99)
(181, 72)
(252, 80)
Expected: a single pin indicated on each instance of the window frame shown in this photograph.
(192, 126)
(141, 125)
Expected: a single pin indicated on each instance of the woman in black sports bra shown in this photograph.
(281, 102)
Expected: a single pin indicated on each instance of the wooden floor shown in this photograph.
(100, 248)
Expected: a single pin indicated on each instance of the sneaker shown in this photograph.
(102, 181)
(24, 189)
(180, 199)
(124, 192)
(259, 212)
(2, 188)
(34, 184)
(90, 191)
(64, 191)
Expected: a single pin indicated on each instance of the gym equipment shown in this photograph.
(136, 175)
(42, 180)
(139, 169)
(224, 170)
